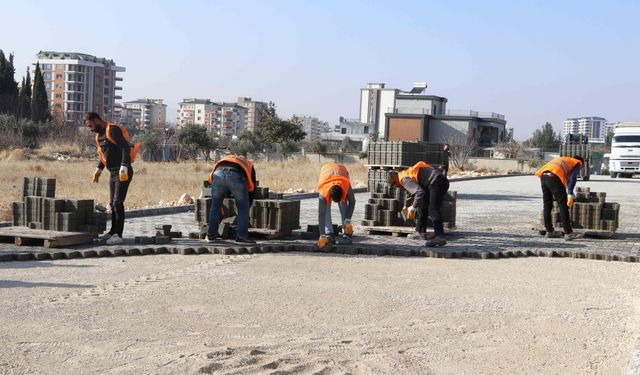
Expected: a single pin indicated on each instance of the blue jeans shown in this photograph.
(223, 183)
(327, 228)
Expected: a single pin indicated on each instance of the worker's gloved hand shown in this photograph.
(123, 174)
(347, 228)
(411, 213)
(96, 175)
(570, 200)
(323, 241)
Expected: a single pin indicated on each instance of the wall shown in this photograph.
(501, 165)
(405, 129)
(447, 130)
(328, 158)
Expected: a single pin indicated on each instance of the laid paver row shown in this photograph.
(307, 248)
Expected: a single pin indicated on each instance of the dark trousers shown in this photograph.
(432, 205)
(553, 189)
(117, 195)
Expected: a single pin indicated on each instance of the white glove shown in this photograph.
(123, 173)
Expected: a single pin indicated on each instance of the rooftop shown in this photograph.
(73, 56)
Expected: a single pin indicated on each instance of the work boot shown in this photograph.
(212, 238)
(416, 236)
(436, 241)
(553, 234)
(105, 236)
(572, 236)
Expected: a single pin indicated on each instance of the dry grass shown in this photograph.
(154, 184)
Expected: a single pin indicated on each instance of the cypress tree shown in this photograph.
(39, 101)
(8, 85)
(24, 97)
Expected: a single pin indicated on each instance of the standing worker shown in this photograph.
(233, 175)
(116, 154)
(446, 150)
(558, 177)
(334, 185)
(426, 187)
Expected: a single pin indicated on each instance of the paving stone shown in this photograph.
(133, 251)
(41, 256)
(23, 256)
(187, 251)
(89, 253)
(202, 250)
(162, 250)
(148, 251)
(118, 252)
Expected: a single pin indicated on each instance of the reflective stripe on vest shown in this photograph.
(333, 174)
(243, 163)
(412, 172)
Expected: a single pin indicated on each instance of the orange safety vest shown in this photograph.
(241, 161)
(561, 167)
(134, 148)
(333, 174)
(412, 172)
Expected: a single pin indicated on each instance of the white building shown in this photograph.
(312, 126)
(221, 119)
(381, 107)
(592, 127)
(145, 113)
(77, 83)
(254, 108)
(348, 128)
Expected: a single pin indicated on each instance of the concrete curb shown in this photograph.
(633, 368)
(487, 177)
(294, 196)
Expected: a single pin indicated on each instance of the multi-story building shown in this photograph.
(312, 126)
(592, 127)
(353, 129)
(254, 108)
(77, 83)
(145, 113)
(414, 115)
(221, 119)
(232, 119)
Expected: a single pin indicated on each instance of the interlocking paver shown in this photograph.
(495, 218)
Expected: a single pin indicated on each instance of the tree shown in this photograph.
(8, 85)
(151, 145)
(247, 143)
(545, 138)
(39, 102)
(195, 141)
(347, 145)
(285, 135)
(462, 148)
(24, 97)
(510, 149)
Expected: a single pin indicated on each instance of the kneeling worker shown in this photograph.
(426, 187)
(558, 177)
(116, 154)
(334, 185)
(233, 175)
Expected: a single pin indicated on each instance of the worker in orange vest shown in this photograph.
(426, 187)
(558, 179)
(334, 185)
(116, 154)
(233, 175)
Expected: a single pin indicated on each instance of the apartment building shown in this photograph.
(220, 118)
(253, 111)
(593, 127)
(145, 113)
(77, 83)
(311, 125)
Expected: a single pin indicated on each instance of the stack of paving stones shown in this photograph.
(582, 149)
(404, 154)
(590, 211)
(386, 203)
(268, 211)
(40, 209)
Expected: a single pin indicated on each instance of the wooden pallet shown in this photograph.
(588, 233)
(47, 238)
(388, 231)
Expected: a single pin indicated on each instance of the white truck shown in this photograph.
(624, 160)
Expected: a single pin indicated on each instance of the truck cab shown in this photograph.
(624, 160)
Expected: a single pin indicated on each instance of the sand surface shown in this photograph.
(317, 314)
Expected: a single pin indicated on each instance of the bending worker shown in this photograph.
(233, 175)
(334, 185)
(558, 177)
(426, 187)
(116, 154)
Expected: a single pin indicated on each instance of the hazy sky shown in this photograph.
(531, 61)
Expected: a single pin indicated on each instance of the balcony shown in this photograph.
(118, 88)
(117, 97)
(118, 79)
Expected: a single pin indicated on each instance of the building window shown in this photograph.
(58, 96)
(343, 131)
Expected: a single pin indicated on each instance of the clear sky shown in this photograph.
(532, 61)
